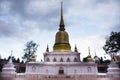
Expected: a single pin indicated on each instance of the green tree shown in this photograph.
(101, 60)
(85, 59)
(112, 44)
(18, 60)
(4, 59)
(30, 49)
(22, 62)
(8, 58)
(14, 59)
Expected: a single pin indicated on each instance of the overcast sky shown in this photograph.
(88, 23)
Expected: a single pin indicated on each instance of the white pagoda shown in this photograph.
(8, 69)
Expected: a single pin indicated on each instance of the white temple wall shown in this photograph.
(64, 56)
(47, 68)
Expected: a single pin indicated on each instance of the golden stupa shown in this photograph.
(33, 58)
(89, 58)
(62, 37)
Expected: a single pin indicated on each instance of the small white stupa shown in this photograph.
(113, 69)
(8, 69)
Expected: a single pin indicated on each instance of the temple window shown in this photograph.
(75, 59)
(54, 60)
(61, 60)
(89, 69)
(75, 71)
(46, 70)
(61, 70)
(68, 60)
(48, 60)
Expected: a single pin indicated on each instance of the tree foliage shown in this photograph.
(18, 60)
(30, 49)
(14, 59)
(85, 59)
(112, 44)
(104, 61)
(22, 62)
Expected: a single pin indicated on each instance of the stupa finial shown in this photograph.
(47, 49)
(75, 50)
(89, 50)
(61, 20)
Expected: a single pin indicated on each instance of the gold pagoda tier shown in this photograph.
(62, 37)
(33, 58)
(89, 58)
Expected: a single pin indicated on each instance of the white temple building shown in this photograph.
(61, 60)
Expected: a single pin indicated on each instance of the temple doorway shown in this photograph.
(61, 70)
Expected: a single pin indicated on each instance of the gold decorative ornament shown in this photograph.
(33, 58)
(89, 58)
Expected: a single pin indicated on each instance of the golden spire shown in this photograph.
(75, 50)
(62, 37)
(89, 58)
(89, 51)
(47, 49)
(33, 57)
(61, 20)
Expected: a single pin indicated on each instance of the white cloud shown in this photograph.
(94, 42)
(41, 7)
(100, 14)
(4, 8)
(87, 21)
